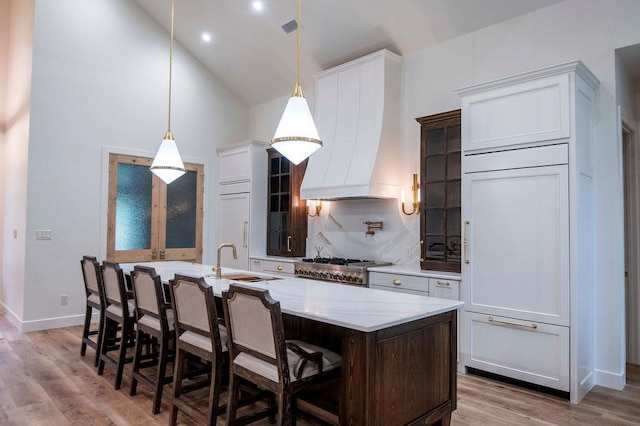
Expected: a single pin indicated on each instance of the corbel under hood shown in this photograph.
(357, 115)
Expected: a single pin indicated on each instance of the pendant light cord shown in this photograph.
(298, 48)
(170, 136)
(297, 90)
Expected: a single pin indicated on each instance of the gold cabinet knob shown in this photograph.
(397, 282)
(279, 268)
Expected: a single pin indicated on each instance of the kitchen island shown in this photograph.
(398, 350)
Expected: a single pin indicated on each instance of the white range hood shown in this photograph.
(357, 115)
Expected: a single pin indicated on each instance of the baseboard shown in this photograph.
(13, 318)
(611, 380)
(47, 323)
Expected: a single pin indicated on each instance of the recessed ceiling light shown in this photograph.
(206, 37)
(257, 5)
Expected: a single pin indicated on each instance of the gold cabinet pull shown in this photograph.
(244, 234)
(279, 267)
(289, 243)
(466, 241)
(443, 283)
(397, 282)
(154, 255)
(421, 250)
(533, 325)
(162, 254)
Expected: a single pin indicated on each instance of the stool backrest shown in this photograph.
(147, 291)
(194, 308)
(115, 289)
(254, 325)
(92, 275)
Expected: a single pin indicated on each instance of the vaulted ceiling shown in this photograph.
(255, 58)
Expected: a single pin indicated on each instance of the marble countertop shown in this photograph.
(278, 258)
(416, 271)
(358, 308)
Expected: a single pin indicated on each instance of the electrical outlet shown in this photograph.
(64, 299)
(43, 234)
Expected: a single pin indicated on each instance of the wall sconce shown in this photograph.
(318, 208)
(415, 189)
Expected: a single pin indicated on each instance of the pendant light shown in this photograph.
(296, 136)
(167, 164)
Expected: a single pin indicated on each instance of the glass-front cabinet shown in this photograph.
(287, 218)
(440, 186)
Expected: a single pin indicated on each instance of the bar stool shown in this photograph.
(198, 333)
(259, 353)
(93, 287)
(119, 315)
(155, 327)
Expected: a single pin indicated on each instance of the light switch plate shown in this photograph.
(43, 234)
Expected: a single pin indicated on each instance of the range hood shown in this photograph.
(357, 115)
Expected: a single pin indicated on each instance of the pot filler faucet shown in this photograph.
(218, 269)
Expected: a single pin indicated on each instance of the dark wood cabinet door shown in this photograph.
(440, 186)
(286, 213)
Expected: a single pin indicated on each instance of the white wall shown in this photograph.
(5, 11)
(13, 163)
(573, 29)
(100, 79)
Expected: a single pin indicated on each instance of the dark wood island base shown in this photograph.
(400, 375)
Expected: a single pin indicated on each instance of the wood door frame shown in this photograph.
(104, 196)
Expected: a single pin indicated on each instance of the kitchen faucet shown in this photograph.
(218, 269)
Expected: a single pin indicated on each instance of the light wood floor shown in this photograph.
(44, 381)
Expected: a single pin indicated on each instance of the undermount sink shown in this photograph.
(247, 278)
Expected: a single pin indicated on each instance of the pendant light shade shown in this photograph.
(296, 136)
(167, 164)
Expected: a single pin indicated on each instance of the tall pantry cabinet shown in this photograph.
(528, 228)
(242, 201)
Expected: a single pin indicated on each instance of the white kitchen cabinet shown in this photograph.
(518, 113)
(528, 228)
(532, 352)
(242, 197)
(284, 267)
(444, 289)
(399, 282)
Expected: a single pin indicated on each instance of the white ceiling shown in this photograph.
(252, 55)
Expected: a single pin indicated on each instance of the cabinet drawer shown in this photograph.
(272, 266)
(444, 289)
(533, 352)
(399, 281)
(518, 115)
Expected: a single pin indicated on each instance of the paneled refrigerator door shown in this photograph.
(516, 243)
(234, 228)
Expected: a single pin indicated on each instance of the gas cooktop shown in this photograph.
(336, 269)
(336, 261)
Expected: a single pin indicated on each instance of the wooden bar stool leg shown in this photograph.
(162, 367)
(86, 329)
(178, 370)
